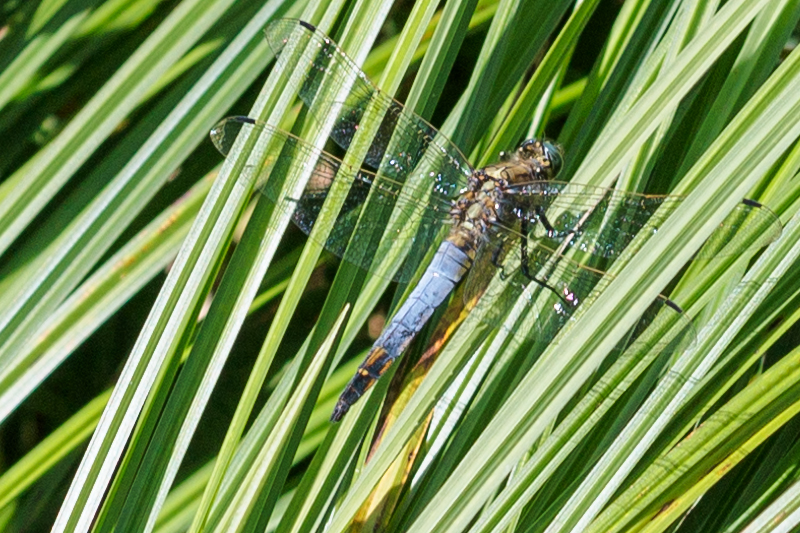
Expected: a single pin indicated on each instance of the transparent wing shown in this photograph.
(565, 234)
(539, 310)
(595, 222)
(403, 147)
(404, 141)
(369, 199)
(548, 279)
(554, 240)
(748, 227)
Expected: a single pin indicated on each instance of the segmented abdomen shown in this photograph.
(446, 269)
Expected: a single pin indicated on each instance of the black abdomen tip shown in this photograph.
(308, 25)
(339, 411)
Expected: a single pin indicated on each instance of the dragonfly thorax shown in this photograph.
(535, 160)
(478, 201)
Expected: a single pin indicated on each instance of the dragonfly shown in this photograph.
(412, 187)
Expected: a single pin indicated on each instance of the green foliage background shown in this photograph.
(171, 348)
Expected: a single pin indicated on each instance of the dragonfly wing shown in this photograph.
(538, 309)
(549, 281)
(596, 221)
(367, 200)
(404, 141)
(571, 223)
(603, 222)
(749, 227)
(404, 149)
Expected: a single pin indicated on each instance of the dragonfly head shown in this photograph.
(548, 154)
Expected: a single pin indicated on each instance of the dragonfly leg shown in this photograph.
(496, 261)
(543, 220)
(525, 260)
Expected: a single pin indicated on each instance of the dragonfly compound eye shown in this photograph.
(548, 154)
(555, 154)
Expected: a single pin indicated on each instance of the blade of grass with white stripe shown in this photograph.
(689, 20)
(680, 379)
(165, 333)
(631, 129)
(499, 68)
(557, 57)
(47, 173)
(745, 422)
(785, 511)
(101, 295)
(612, 303)
(162, 339)
(231, 304)
(557, 452)
(239, 515)
(637, 30)
(691, 366)
(96, 299)
(659, 410)
(142, 165)
(746, 75)
(763, 43)
(115, 283)
(251, 445)
(308, 259)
